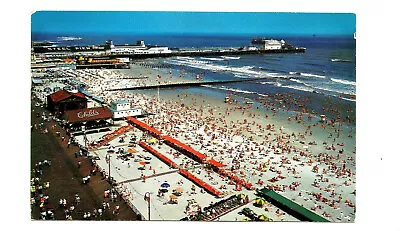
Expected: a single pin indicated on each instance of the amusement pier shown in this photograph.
(110, 55)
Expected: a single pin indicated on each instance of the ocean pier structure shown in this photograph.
(142, 51)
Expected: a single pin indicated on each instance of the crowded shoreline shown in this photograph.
(308, 161)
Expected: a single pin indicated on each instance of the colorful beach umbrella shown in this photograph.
(130, 150)
(241, 196)
(246, 219)
(172, 196)
(179, 190)
(259, 201)
(142, 163)
(263, 217)
(153, 140)
(165, 185)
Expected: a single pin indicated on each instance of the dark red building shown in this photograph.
(88, 119)
(63, 100)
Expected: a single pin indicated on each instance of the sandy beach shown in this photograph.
(306, 160)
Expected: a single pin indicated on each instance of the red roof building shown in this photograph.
(63, 100)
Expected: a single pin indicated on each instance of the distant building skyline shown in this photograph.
(234, 23)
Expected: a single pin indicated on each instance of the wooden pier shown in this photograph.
(186, 84)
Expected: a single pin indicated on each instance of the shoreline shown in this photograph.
(251, 130)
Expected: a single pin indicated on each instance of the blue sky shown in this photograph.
(110, 22)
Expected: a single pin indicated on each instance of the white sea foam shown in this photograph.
(340, 60)
(272, 83)
(297, 81)
(277, 75)
(322, 88)
(301, 82)
(239, 71)
(212, 59)
(298, 88)
(263, 95)
(347, 82)
(230, 89)
(352, 100)
(342, 91)
(241, 76)
(229, 57)
(184, 57)
(312, 75)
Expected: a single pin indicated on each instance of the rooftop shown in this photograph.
(63, 94)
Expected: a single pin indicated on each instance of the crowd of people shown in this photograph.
(237, 135)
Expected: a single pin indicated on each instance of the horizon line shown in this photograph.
(74, 33)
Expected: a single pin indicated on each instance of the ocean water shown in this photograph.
(325, 74)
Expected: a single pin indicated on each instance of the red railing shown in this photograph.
(144, 126)
(179, 145)
(158, 154)
(192, 154)
(110, 136)
(201, 183)
(235, 178)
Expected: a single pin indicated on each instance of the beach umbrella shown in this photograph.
(263, 217)
(259, 201)
(153, 140)
(165, 185)
(131, 150)
(172, 196)
(246, 219)
(241, 196)
(179, 190)
(142, 163)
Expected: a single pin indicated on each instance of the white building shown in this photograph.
(252, 48)
(272, 44)
(139, 48)
(122, 108)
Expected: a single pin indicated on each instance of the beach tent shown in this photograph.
(259, 201)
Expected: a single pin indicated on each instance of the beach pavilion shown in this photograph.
(62, 100)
